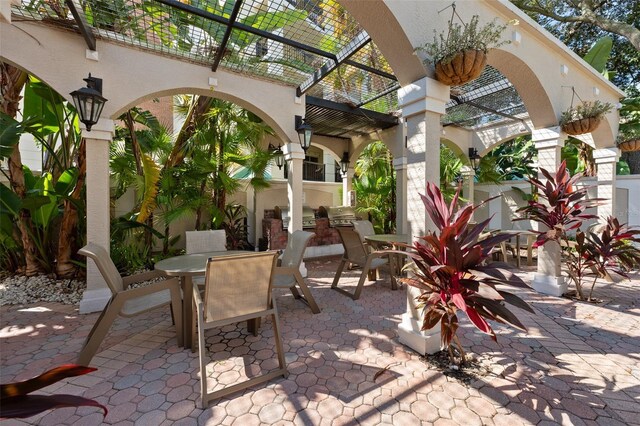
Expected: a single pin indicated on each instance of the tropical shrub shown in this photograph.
(561, 209)
(449, 269)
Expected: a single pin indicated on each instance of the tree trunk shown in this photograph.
(67, 238)
(197, 110)
(633, 160)
(12, 82)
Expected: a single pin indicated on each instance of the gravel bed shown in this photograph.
(22, 290)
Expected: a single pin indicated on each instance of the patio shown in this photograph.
(578, 364)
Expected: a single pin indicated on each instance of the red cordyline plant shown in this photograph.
(450, 271)
(560, 205)
(15, 401)
(561, 208)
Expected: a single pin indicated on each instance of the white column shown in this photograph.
(423, 103)
(98, 139)
(294, 155)
(347, 185)
(606, 160)
(468, 183)
(548, 278)
(400, 166)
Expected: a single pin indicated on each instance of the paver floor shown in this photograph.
(578, 364)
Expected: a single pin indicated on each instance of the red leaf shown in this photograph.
(458, 300)
(478, 321)
(45, 379)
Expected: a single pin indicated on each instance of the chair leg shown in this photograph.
(295, 293)
(99, 331)
(363, 275)
(176, 313)
(308, 297)
(202, 352)
(279, 347)
(334, 284)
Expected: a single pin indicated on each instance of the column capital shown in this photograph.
(293, 151)
(423, 95)
(548, 137)
(606, 155)
(104, 129)
(467, 171)
(400, 163)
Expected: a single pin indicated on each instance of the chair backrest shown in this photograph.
(106, 266)
(354, 250)
(296, 245)
(364, 228)
(238, 285)
(205, 241)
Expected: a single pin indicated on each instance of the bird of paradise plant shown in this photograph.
(449, 268)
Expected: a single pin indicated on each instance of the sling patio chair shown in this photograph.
(237, 288)
(128, 302)
(355, 253)
(288, 270)
(203, 242)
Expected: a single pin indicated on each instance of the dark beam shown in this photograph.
(337, 106)
(371, 69)
(227, 34)
(358, 42)
(379, 95)
(85, 28)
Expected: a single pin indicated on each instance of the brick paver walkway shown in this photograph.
(578, 364)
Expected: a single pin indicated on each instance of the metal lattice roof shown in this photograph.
(313, 45)
(486, 101)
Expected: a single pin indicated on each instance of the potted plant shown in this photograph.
(461, 55)
(629, 130)
(450, 272)
(583, 118)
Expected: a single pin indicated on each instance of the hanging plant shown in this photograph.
(629, 130)
(583, 118)
(461, 55)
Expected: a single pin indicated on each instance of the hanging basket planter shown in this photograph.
(630, 145)
(464, 67)
(582, 126)
(584, 117)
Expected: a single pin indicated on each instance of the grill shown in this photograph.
(339, 216)
(308, 216)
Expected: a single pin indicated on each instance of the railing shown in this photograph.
(317, 172)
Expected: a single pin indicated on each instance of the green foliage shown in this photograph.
(599, 54)
(463, 37)
(585, 110)
(449, 269)
(235, 226)
(513, 159)
(375, 184)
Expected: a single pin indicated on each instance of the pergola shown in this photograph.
(349, 68)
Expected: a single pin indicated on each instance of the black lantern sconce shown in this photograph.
(344, 163)
(89, 101)
(474, 158)
(278, 155)
(304, 132)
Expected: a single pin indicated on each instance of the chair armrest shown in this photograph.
(152, 288)
(144, 276)
(281, 270)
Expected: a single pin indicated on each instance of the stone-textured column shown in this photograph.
(400, 166)
(548, 279)
(98, 139)
(294, 155)
(468, 183)
(423, 103)
(347, 185)
(606, 159)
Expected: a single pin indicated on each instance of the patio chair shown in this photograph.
(237, 288)
(355, 253)
(128, 302)
(205, 241)
(364, 228)
(288, 270)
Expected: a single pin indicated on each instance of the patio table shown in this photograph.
(381, 241)
(186, 267)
